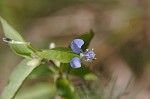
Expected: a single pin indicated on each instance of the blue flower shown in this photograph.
(76, 45)
(88, 55)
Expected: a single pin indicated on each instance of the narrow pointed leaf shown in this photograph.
(59, 55)
(21, 49)
(20, 73)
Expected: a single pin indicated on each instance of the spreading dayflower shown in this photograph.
(88, 55)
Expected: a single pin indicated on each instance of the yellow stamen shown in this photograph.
(95, 58)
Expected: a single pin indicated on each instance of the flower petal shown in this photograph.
(75, 62)
(75, 48)
(76, 45)
(79, 42)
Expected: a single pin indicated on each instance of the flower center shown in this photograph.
(87, 55)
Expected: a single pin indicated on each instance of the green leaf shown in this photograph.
(66, 89)
(65, 49)
(21, 49)
(18, 76)
(37, 91)
(59, 55)
(87, 37)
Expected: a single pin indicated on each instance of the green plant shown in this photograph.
(36, 62)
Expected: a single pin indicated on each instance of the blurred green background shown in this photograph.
(121, 41)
